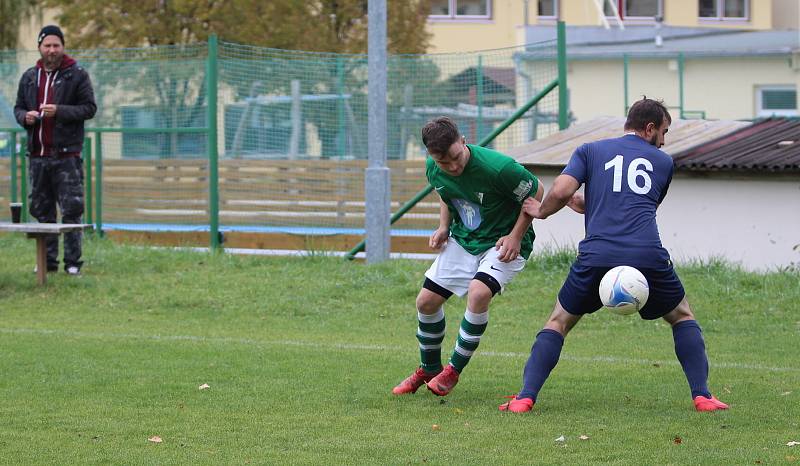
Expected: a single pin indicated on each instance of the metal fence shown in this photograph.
(222, 136)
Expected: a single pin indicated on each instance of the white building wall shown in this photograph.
(754, 221)
(725, 88)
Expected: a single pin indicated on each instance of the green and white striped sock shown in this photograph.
(430, 334)
(469, 337)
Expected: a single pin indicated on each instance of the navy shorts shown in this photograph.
(579, 294)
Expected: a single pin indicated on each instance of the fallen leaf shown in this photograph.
(677, 440)
(155, 439)
(726, 389)
(786, 393)
(561, 439)
(435, 427)
(791, 458)
(584, 437)
(458, 411)
(792, 443)
(204, 386)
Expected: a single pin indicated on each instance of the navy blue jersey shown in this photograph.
(626, 179)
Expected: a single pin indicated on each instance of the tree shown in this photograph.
(12, 13)
(177, 91)
(322, 25)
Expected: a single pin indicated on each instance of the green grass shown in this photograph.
(301, 354)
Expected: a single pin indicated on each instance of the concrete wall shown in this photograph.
(725, 88)
(678, 13)
(786, 14)
(503, 29)
(754, 221)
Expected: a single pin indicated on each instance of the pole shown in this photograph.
(87, 165)
(213, 156)
(563, 102)
(377, 180)
(14, 167)
(680, 83)
(479, 98)
(625, 79)
(98, 180)
(23, 178)
(341, 118)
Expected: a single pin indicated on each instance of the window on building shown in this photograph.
(776, 100)
(635, 8)
(461, 9)
(548, 8)
(724, 9)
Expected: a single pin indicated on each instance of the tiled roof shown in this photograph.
(555, 150)
(768, 145)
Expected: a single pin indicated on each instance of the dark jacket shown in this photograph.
(74, 98)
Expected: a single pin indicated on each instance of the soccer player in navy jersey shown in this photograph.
(625, 181)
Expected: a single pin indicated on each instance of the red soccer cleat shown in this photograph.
(444, 382)
(413, 382)
(702, 403)
(518, 405)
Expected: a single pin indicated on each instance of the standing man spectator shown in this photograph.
(54, 99)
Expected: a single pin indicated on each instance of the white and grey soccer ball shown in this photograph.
(624, 290)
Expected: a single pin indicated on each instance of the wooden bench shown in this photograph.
(40, 231)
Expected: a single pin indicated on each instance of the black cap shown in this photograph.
(50, 30)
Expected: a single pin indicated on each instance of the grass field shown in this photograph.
(301, 354)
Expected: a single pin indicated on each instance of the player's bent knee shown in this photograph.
(431, 297)
(681, 312)
(491, 283)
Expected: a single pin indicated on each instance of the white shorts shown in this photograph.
(455, 268)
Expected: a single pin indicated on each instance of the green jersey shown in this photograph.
(485, 199)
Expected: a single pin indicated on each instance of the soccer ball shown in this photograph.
(624, 290)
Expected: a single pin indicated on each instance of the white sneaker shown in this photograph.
(72, 270)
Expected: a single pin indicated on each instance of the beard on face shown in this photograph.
(654, 140)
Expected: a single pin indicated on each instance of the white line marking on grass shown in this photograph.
(380, 348)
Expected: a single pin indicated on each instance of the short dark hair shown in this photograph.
(647, 111)
(439, 134)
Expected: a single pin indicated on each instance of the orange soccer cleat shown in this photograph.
(444, 382)
(702, 403)
(517, 405)
(413, 382)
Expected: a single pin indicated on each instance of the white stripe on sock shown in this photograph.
(437, 316)
(476, 318)
(429, 335)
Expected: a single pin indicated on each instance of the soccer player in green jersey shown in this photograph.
(484, 239)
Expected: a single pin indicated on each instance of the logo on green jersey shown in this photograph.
(523, 189)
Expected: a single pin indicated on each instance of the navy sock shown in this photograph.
(544, 357)
(691, 351)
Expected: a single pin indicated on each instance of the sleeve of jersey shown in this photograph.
(517, 182)
(576, 167)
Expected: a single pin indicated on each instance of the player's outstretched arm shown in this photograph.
(564, 187)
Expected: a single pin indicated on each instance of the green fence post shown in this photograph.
(680, 83)
(13, 167)
(98, 180)
(213, 156)
(342, 116)
(87, 165)
(479, 99)
(625, 79)
(563, 103)
(23, 177)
